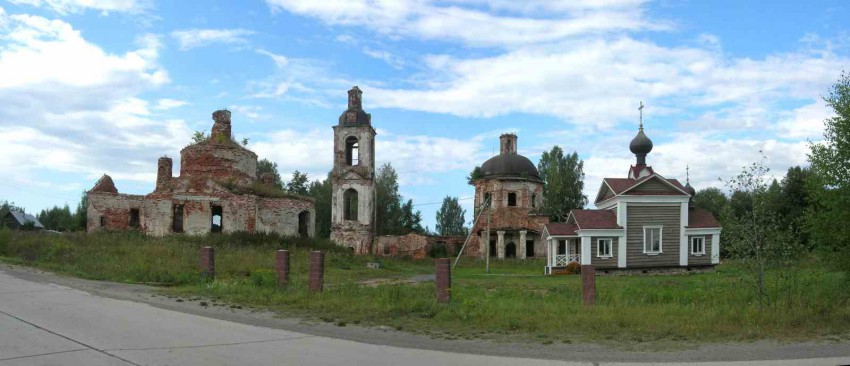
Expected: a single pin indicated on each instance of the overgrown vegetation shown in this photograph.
(515, 301)
(563, 176)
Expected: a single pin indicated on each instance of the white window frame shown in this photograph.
(702, 244)
(660, 239)
(610, 246)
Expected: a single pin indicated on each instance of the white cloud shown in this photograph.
(251, 112)
(167, 103)
(193, 38)
(451, 21)
(805, 122)
(385, 56)
(70, 106)
(598, 82)
(279, 60)
(78, 6)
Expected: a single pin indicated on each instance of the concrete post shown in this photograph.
(588, 285)
(281, 266)
(317, 271)
(444, 280)
(500, 244)
(521, 247)
(207, 263)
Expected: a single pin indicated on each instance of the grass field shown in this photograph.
(513, 302)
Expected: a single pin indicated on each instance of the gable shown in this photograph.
(605, 192)
(654, 186)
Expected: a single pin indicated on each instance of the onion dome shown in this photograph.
(509, 165)
(641, 144)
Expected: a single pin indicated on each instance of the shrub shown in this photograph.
(573, 268)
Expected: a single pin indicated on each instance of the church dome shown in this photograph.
(641, 145)
(691, 191)
(509, 165)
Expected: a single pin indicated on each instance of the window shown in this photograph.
(177, 219)
(603, 248)
(486, 197)
(352, 151)
(102, 221)
(511, 199)
(534, 200)
(652, 239)
(134, 218)
(698, 245)
(350, 204)
(217, 219)
(529, 248)
(304, 224)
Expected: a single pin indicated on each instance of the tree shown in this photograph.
(387, 202)
(711, 199)
(267, 166)
(829, 184)
(58, 218)
(81, 214)
(474, 175)
(410, 221)
(755, 236)
(298, 183)
(322, 192)
(563, 178)
(9, 206)
(198, 136)
(450, 218)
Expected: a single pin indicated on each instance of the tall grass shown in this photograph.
(515, 300)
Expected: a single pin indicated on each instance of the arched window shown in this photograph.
(350, 201)
(534, 200)
(304, 224)
(352, 151)
(510, 250)
(512, 199)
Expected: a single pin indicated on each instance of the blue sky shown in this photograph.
(94, 87)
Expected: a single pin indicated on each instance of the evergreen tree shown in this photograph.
(81, 214)
(564, 183)
(450, 218)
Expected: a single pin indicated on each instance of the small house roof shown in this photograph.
(25, 218)
(561, 228)
(701, 218)
(594, 219)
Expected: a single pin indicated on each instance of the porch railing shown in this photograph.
(575, 258)
(560, 260)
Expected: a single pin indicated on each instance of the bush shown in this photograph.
(573, 268)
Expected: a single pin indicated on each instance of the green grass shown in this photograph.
(513, 302)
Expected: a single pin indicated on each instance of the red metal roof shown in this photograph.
(561, 228)
(595, 219)
(699, 217)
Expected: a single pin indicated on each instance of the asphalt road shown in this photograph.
(43, 323)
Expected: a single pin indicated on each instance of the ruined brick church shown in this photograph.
(217, 191)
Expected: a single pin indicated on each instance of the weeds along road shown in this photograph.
(45, 323)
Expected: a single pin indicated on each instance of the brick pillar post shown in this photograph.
(500, 244)
(207, 263)
(444, 280)
(521, 247)
(317, 270)
(588, 285)
(281, 266)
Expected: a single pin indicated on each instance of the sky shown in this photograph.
(93, 87)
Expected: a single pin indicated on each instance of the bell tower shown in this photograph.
(353, 176)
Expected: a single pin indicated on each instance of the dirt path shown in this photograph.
(762, 350)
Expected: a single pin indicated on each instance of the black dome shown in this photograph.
(690, 189)
(641, 145)
(513, 165)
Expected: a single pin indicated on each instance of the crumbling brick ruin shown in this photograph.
(417, 246)
(513, 184)
(353, 177)
(217, 191)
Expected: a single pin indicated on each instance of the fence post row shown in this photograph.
(317, 270)
(281, 266)
(444, 280)
(588, 284)
(207, 263)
